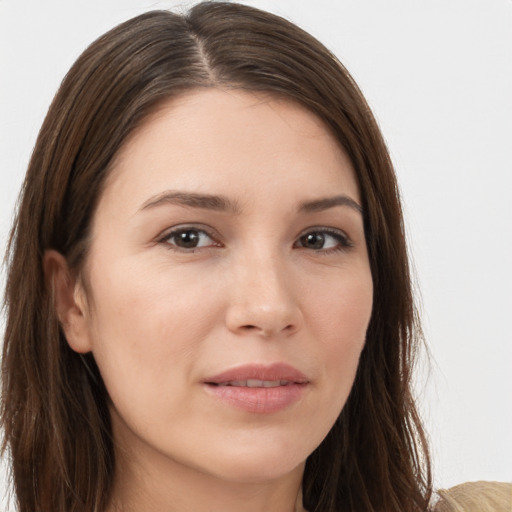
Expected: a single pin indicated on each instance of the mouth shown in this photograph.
(258, 388)
(253, 383)
(259, 376)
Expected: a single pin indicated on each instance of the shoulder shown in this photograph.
(476, 497)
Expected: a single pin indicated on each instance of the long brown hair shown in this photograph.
(54, 405)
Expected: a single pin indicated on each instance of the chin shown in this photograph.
(257, 473)
(257, 464)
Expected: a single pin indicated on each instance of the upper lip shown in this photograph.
(272, 372)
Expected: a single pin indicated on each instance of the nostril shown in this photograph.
(250, 328)
(266, 333)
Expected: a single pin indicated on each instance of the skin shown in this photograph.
(160, 318)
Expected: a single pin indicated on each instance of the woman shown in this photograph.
(210, 212)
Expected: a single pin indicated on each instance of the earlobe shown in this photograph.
(69, 301)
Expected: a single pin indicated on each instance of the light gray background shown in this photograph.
(438, 74)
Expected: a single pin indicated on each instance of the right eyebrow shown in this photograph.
(193, 200)
(325, 203)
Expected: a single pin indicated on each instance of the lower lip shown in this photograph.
(258, 400)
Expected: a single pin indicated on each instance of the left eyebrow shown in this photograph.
(318, 205)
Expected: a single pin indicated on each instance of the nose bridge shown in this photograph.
(263, 301)
(267, 276)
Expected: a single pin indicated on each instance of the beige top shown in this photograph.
(476, 497)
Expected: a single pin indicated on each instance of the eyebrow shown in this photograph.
(193, 200)
(318, 205)
(224, 204)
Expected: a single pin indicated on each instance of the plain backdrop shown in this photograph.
(438, 75)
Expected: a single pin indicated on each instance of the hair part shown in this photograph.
(55, 406)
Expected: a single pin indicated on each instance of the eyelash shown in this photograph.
(343, 242)
(169, 235)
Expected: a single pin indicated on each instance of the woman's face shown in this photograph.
(229, 288)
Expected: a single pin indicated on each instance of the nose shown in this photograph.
(262, 299)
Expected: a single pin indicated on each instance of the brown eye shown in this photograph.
(312, 241)
(325, 240)
(188, 238)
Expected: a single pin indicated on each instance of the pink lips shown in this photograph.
(258, 388)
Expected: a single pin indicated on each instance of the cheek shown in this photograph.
(340, 311)
(143, 323)
(340, 318)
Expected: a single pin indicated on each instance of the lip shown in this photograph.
(276, 371)
(261, 400)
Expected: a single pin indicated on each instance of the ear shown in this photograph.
(70, 301)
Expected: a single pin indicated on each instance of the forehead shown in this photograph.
(231, 142)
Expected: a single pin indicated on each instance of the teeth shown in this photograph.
(255, 383)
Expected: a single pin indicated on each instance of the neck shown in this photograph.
(162, 485)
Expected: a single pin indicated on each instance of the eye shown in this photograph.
(325, 240)
(188, 239)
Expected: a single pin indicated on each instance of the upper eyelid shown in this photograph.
(324, 229)
(166, 233)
